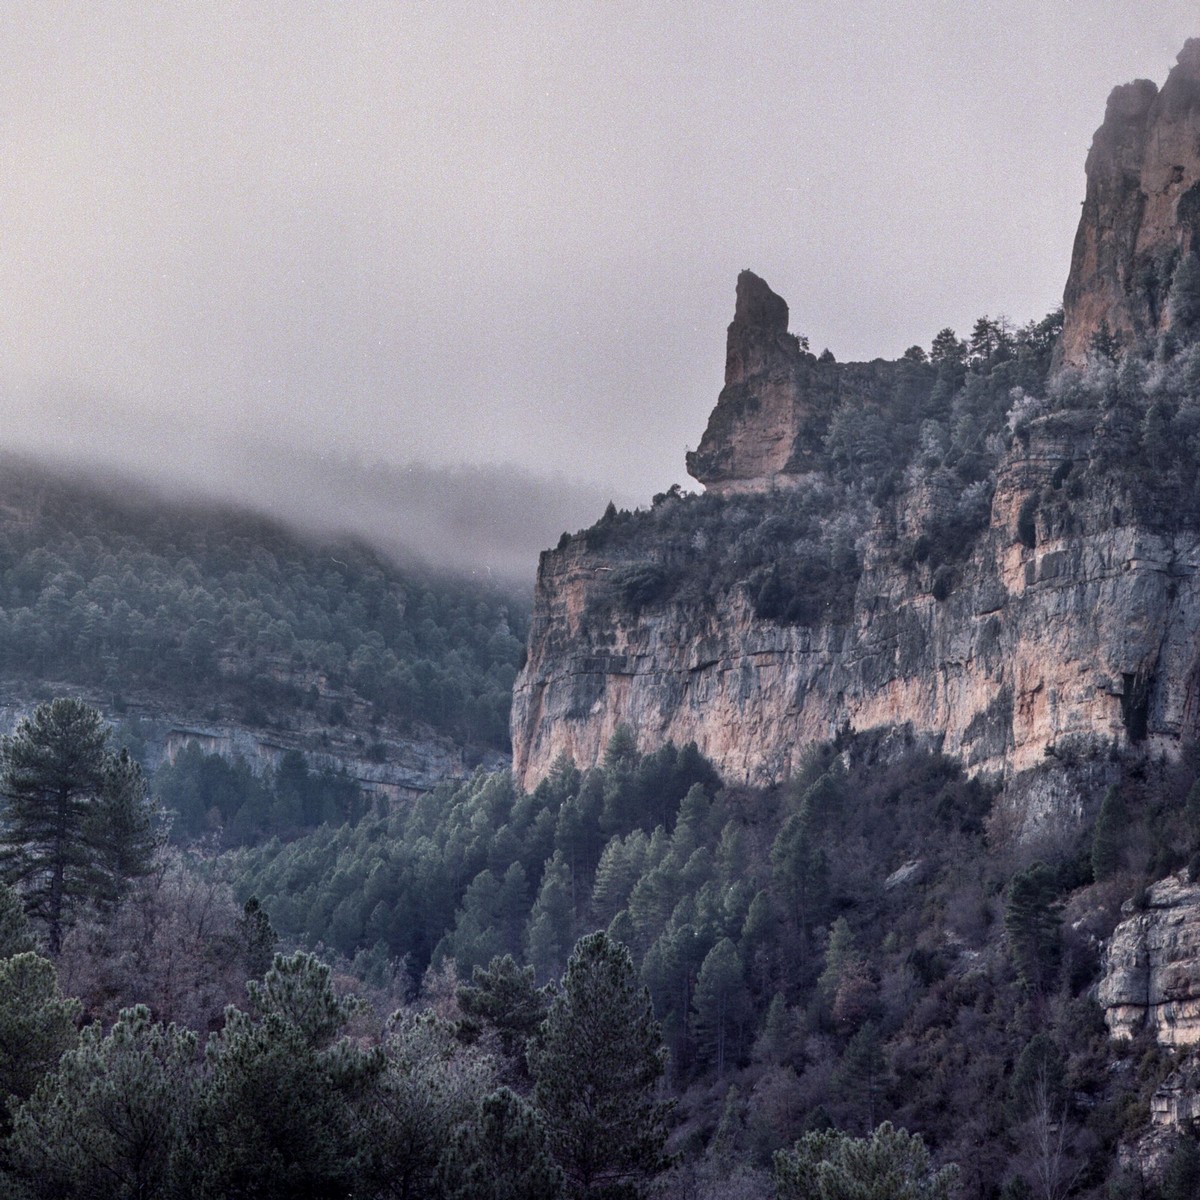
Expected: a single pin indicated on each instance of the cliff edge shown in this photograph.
(974, 548)
(1135, 275)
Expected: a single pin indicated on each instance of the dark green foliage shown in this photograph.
(1185, 295)
(503, 998)
(721, 1006)
(257, 937)
(36, 1026)
(115, 1120)
(231, 614)
(16, 937)
(430, 1091)
(277, 1117)
(76, 826)
(121, 829)
(1107, 834)
(1181, 1180)
(206, 794)
(1032, 924)
(597, 1064)
(471, 868)
(502, 1155)
(889, 1164)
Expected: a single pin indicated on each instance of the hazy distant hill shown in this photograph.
(210, 622)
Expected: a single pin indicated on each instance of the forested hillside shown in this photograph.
(866, 943)
(226, 615)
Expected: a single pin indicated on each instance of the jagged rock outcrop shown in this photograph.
(1060, 621)
(755, 437)
(1133, 271)
(1152, 973)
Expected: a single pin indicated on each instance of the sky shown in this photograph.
(506, 235)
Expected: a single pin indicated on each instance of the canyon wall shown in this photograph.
(1067, 622)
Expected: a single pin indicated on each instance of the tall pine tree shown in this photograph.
(76, 824)
(597, 1067)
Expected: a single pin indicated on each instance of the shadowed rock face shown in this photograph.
(1141, 215)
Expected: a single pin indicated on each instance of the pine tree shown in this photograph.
(277, 1116)
(114, 1121)
(53, 775)
(120, 829)
(502, 1155)
(504, 997)
(597, 1068)
(890, 1164)
(76, 825)
(721, 1004)
(1032, 924)
(36, 1026)
(1106, 838)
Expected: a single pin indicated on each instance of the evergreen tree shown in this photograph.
(503, 997)
(1032, 924)
(890, 1164)
(597, 1068)
(76, 823)
(1181, 1179)
(277, 1116)
(501, 1155)
(36, 1027)
(15, 934)
(1106, 838)
(431, 1087)
(721, 1003)
(115, 1120)
(52, 772)
(551, 921)
(120, 829)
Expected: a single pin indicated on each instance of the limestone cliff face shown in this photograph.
(981, 568)
(1089, 637)
(1141, 215)
(1152, 971)
(754, 439)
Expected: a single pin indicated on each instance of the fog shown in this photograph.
(264, 249)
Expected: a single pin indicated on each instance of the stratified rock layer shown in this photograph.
(1152, 977)
(1141, 215)
(1068, 624)
(1090, 637)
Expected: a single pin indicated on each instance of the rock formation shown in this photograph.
(1065, 622)
(768, 399)
(1152, 969)
(1130, 271)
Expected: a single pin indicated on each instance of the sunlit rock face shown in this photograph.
(1152, 976)
(1141, 215)
(1087, 639)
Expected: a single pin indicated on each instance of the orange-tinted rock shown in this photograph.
(1141, 214)
(754, 440)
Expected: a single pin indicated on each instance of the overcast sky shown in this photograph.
(474, 232)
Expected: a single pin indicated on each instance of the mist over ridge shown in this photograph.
(486, 521)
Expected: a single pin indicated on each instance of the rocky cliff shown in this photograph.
(996, 559)
(1134, 270)
(1152, 969)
